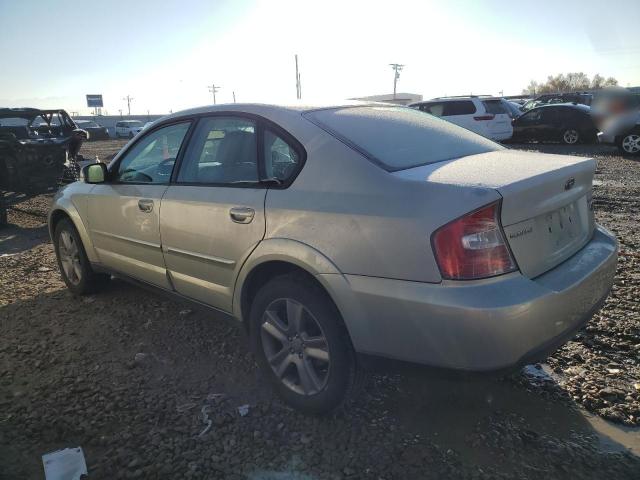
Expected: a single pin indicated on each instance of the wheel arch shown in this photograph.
(276, 257)
(60, 212)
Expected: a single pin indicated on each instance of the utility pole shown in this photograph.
(213, 89)
(397, 68)
(234, 96)
(298, 84)
(129, 99)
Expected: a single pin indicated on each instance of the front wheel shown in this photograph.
(570, 136)
(73, 263)
(303, 346)
(630, 143)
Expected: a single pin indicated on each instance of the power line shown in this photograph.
(213, 89)
(397, 68)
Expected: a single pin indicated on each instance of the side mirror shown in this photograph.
(95, 173)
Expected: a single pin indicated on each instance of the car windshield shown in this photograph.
(404, 137)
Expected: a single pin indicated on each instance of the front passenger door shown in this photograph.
(124, 213)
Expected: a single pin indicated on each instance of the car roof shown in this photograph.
(266, 108)
(26, 112)
(575, 106)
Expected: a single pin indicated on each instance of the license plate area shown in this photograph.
(563, 226)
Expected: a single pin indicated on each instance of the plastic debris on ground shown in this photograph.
(67, 464)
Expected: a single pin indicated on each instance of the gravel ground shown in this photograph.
(133, 378)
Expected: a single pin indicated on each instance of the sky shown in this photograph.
(164, 53)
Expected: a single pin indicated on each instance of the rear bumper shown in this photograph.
(486, 325)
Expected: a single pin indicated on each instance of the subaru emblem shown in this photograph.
(569, 183)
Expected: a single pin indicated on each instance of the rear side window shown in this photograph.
(280, 159)
(397, 138)
(494, 107)
(436, 109)
(459, 107)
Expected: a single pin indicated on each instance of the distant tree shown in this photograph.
(597, 81)
(569, 82)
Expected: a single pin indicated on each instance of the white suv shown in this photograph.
(128, 128)
(484, 115)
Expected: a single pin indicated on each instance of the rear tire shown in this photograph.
(73, 263)
(297, 331)
(629, 143)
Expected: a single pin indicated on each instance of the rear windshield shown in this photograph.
(494, 106)
(398, 138)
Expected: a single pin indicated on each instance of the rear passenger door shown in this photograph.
(212, 215)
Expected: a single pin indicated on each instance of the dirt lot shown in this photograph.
(131, 377)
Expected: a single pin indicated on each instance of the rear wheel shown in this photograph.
(630, 143)
(74, 265)
(570, 136)
(302, 345)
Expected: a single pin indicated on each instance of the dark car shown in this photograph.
(567, 123)
(36, 147)
(94, 130)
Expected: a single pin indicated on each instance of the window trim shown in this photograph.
(112, 168)
(262, 124)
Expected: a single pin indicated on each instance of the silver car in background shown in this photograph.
(340, 231)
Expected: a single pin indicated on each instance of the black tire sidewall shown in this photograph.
(86, 284)
(342, 358)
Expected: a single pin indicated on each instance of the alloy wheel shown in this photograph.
(295, 346)
(631, 143)
(70, 257)
(570, 136)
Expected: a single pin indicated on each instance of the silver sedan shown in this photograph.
(343, 231)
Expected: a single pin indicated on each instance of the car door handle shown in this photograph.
(145, 205)
(242, 214)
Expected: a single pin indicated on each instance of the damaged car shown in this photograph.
(36, 148)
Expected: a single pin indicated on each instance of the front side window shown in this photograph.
(532, 116)
(223, 150)
(280, 159)
(151, 159)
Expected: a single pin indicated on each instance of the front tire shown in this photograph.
(570, 136)
(72, 259)
(629, 144)
(303, 346)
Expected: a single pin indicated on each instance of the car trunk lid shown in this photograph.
(546, 208)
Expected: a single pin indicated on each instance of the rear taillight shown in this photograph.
(484, 117)
(473, 246)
